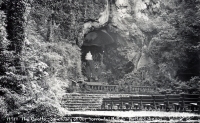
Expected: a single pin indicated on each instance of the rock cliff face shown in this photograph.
(132, 25)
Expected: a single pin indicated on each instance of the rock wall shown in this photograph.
(133, 24)
(125, 21)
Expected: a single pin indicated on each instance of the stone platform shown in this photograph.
(84, 101)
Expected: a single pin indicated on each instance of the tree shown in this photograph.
(175, 48)
(3, 43)
(188, 27)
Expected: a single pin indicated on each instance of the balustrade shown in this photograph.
(114, 88)
(103, 87)
(141, 89)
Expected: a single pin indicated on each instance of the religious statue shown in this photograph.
(89, 65)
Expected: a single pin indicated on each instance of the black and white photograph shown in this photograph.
(99, 61)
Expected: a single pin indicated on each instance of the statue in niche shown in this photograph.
(94, 68)
(89, 66)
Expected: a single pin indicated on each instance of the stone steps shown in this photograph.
(82, 105)
(76, 101)
(82, 102)
(76, 104)
(78, 98)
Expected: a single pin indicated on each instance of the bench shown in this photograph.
(106, 104)
(116, 103)
(178, 102)
(135, 102)
(158, 102)
(198, 105)
(189, 102)
(125, 103)
(172, 101)
(146, 102)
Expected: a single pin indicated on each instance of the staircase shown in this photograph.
(76, 101)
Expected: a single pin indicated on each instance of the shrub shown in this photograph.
(46, 110)
(3, 108)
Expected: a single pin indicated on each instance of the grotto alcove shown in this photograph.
(106, 64)
(94, 47)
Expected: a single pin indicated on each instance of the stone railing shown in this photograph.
(106, 88)
(142, 89)
(115, 89)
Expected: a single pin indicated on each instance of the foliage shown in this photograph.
(43, 109)
(15, 21)
(172, 43)
(185, 20)
(173, 48)
(10, 77)
(191, 86)
(3, 108)
(30, 59)
(138, 78)
(64, 19)
(3, 42)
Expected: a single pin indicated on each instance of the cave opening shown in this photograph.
(94, 51)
